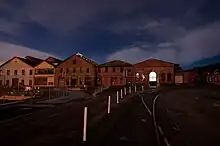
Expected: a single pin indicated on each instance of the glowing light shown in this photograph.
(137, 75)
(152, 77)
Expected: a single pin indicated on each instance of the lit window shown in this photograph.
(137, 75)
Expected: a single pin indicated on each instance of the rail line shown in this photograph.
(157, 127)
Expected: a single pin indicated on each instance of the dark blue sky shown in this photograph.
(182, 31)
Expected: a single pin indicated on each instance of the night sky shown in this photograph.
(181, 31)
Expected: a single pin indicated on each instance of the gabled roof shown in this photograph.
(53, 61)
(27, 61)
(86, 58)
(152, 59)
(32, 61)
(116, 63)
(82, 57)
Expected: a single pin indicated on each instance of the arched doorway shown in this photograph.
(152, 79)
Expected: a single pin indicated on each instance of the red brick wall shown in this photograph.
(156, 66)
(188, 76)
(80, 73)
(110, 77)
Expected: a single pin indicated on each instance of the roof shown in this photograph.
(116, 63)
(82, 57)
(31, 61)
(53, 61)
(155, 60)
(86, 58)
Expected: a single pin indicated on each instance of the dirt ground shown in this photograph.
(190, 116)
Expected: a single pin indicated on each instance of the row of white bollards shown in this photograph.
(109, 106)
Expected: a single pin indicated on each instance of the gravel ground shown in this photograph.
(190, 116)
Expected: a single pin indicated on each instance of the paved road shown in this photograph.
(131, 125)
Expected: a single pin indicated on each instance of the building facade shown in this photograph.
(45, 72)
(114, 73)
(157, 71)
(76, 71)
(17, 73)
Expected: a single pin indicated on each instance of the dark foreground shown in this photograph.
(188, 116)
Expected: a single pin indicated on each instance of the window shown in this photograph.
(169, 77)
(80, 81)
(121, 69)
(137, 75)
(113, 69)
(22, 82)
(74, 61)
(8, 72)
(67, 70)
(216, 78)
(30, 82)
(15, 72)
(99, 69)
(163, 77)
(1, 72)
(23, 72)
(61, 70)
(80, 70)
(7, 82)
(74, 70)
(0, 82)
(87, 70)
(106, 69)
(50, 83)
(30, 72)
(129, 70)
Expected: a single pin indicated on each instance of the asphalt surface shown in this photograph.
(129, 125)
(187, 117)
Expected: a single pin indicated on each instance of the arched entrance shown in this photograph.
(152, 79)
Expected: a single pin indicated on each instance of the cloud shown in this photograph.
(183, 47)
(66, 15)
(8, 51)
(8, 27)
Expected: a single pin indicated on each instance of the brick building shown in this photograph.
(114, 73)
(76, 71)
(155, 72)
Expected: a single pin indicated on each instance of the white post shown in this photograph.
(121, 93)
(143, 88)
(117, 97)
(125, 91)
(135, 88)
(109, 104)
(130, 89)
(85, 124)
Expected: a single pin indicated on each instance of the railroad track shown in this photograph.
(158, 129)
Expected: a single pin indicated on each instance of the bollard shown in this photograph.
(143, 88)
(130, 89)
(85, 124)
(121, 93)
(117, 97)
(109, 104)
(135, 88)
(125, 90)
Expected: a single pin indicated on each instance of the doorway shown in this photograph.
(152, 79)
